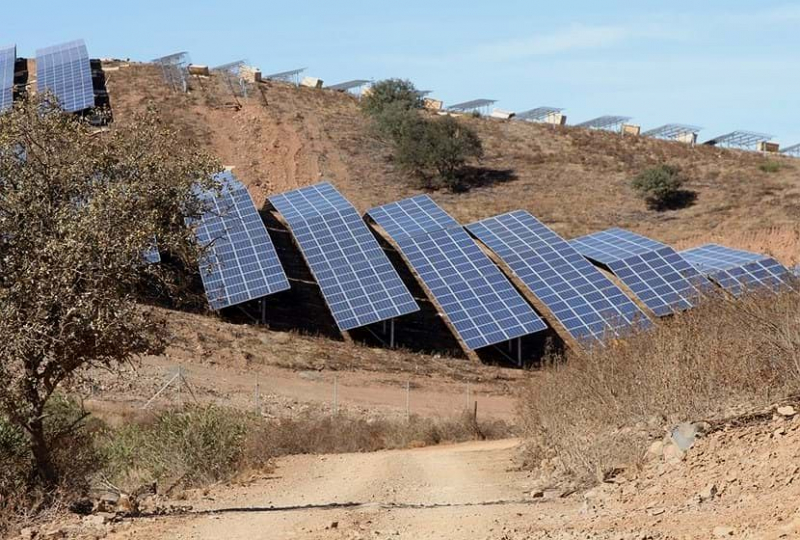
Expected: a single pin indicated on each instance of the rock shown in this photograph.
(673, 453)
(27, 533)
(334, 525)
(536, 494)
(95, 520)
(54, 533)
(786, 411)
(779, 432)
(684, 435)
(657, 511)
(723, 532)
(125, 504)
(708, 493)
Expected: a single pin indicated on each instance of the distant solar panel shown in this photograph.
(604, 122)
(739, 139)
(8, 58)
(672, 131)
(230, 67)
(663, 280)
(65, 71)
(475, 297)
(174, 69)
(358, 282)
(588, 305)
(239, 262)
(793, 150)
(472, 105)
(539, 114)
(736, 270)
(347, 85)
(151, 255)
(285, 75)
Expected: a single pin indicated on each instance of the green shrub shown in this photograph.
(399, 93)
(661, 187)
(770, 166)
(191, 446)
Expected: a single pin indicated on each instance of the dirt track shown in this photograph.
(475, 491)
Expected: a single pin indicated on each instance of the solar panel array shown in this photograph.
(347, 85)
(476, 298)
(174, 69)
(672, 131)
(539, 114)
(239, 262)
(65, 70)
(663, 280)
(358, 282)
(793, 150)
(739, 139)
(604, 122)
(587, 304)
(736, 270)
(8, 58)
(471, 105)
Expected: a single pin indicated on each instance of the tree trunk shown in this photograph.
(45, 469)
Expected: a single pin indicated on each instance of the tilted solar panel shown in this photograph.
(358, 282)
(473, 294)
(65, 71)
(736, 270)
(8, 58)
(588, 305)
(239, 262)
(663, 280)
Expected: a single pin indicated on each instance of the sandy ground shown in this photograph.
(475, 491)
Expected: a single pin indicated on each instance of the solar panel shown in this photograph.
(672, 131)
(65, 71)
(358, 282)
(607, 123)
(471, 105)
(663, 280)
(230, 67)
(739, 139)
(736, 270)
(588, 305)
(8, 58)
(793, 150)
(174, 69)
(348, 85)
(151, 255)
(285, 75)
(473, 294)
(539, 114)
(239, 262)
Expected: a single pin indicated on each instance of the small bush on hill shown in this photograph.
(717, 360)
(662, 188)
(434, 151)
(391, 92)
(770, 166)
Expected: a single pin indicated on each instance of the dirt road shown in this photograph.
(474, 491)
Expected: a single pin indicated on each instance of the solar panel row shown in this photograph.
(663, 280)
(588, 305)
(355, 276)
(736, 270)
(65, 71)
(239, 262)
(8, 58)
(473, 294)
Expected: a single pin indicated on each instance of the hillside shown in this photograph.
(575, 180)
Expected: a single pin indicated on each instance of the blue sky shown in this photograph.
(720, 65)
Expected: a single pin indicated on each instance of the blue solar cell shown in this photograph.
(736, 270)
(586, 303)
(357, 280)
(477, 299)
(663, 280)
(151, 255)
(239, 262)
(65, 71)
(8, 58)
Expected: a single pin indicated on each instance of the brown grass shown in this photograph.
(596, 412)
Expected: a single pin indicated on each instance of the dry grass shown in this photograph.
(596, 412)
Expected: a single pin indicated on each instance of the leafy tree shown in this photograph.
(77, 209)
(438, 150)
(662, 187)
(398, 92)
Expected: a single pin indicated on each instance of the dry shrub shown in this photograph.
(597, 411)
